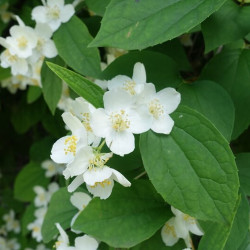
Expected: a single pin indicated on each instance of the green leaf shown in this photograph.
(193, 168)
(155, 64)
(33, 94)
(27, 218)
(206, 97)
(97, 6)
(130, 24)
(61, 211)
(52, 85)
(231, 69)
(127, 217)
(72, 39)
(82, 86)
(4, 73)
(31, 175)
(228, 24)
(243, 164)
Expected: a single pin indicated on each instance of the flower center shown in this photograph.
(98, 161)
(155, 108)
(11, 58)
(70, 142)
(102, 184)
(187, 217)
(22, 42)
(130, 87)
(120, 121)
(86, 121)
(51, 168)
(54, 12)
(36, 229)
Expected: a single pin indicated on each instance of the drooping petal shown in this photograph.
(63, 234)
(67, 12)
(121, 143)
(72, 122)
(117, 176)
(168, 233)
(86, 242)
(118, 82)
(193, 226)
(180, 227)
(169, 98)
(139, 73)
(163, 125)
(102, 190)
(80, 200)
(78, 181)
(95, 175)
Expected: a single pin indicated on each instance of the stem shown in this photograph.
(101, 145)
(140, 175)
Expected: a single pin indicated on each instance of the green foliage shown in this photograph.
(132, 24)
(97, 6)
(31, 175)
(129, 216)
(72, 41)
(82, 86)
(33, 94)
(193, 168)
(27, 218)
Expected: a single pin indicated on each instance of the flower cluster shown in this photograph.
(41, 202)
(26, 47)
(178, 227)
(131, 106)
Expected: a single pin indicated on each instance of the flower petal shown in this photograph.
(39, 14)
(97, 175)
(168, 233)
(117, 176)
(63, 234)
(67, 12)
(139, 73)
(88, 242)
(163, 125)
(72, 122)
(78, 181)
(80, 200)
(103, 190)
(118, 82)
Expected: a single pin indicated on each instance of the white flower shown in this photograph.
(80, 200)
(4, 14)
(40, 213)
(118, 121)
(35, 227)
(11, 223)
(42, 196)
(65, 149)
(52, 168)
(63, 240)
(12, 244)
(159, 106)
(133, 86)
(179, 227)
(83, 111)
(53, 13)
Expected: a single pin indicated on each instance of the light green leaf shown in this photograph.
(82, 86)
(127, 217)
(31, 175)
(130, 24)
(243, 164)
(231, 69)
(206, 97)
(228, 24)
(155, 64)
(72, 39)
(52, 85)
(33, 94)
(193, 168)
(60, 210)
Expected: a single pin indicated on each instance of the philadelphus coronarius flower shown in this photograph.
(11, 223)
(52, 168)
(178, 227)
(53, 13)
(84, 242)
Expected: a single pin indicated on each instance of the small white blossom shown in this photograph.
(11, 223)
(4, 14)
(178, 227)
(36, 227)
(53, 13)
(52, 168)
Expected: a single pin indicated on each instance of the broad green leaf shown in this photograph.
(228, 24)
(243, 164)
(231, 69)
(82, 86)
(31, 175)
(155, 64)
(52, 85)
(240, 225)
(193, 168)
(27, 218)
(127, 217)
(72, 39)
(33, 94)
(130, 24)
(4, 73)
(60, 210)
(206, 97)
(97, 6)
(155, 242)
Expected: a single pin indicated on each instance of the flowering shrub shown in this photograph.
(125, 124)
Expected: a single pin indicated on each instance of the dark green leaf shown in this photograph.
(72, 39)
(27, 218)
(4, 73)
(33, 94)
(193, 168)
(82, 86)
(97, 6)
(130, 24)
(127, 217)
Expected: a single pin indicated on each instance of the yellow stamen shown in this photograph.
(168, 229)
(120, 121)
(155, 108)
(102, 184)
(70, 142)
(130, 87)
(22, 42)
